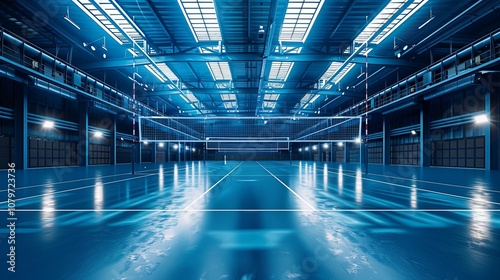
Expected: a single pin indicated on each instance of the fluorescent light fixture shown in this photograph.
(161, 145)
(185, 98)
(220, 70)
(230, 105)
(268, 104)
(299, 18)
(425, 23)
(202, 19)
(98, 134)
(314, 98)
(340, 144)
(132, 51)
(280, 70)
(66, 17)
(481, 119)
(48, 124)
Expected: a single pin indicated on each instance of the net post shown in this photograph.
(204, 153)
(179, 152)
(290, 147)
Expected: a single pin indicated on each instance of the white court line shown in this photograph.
(78, 180)
(420, 189)
(303, 200)
(254, 210)
(80, 188)
(416, 180)
(213, 186)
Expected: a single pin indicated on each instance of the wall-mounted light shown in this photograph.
(176, 147)
(300, 149)
(481, 119)
(340, 144)
(413, 132)
(48, 124)
(325, 146)
(146, 143)
(98, 134)
(194, 150)
(357, 140)
(161, 145)
(307, 149)
(93, 48)
(315, 148)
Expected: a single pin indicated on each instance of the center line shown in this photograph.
(303, 200)
(213, 186)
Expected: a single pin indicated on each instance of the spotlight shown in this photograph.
(103, 55)
(481, 119)
(315, 148)
(413, 132)
(405, 47)
(357, 140)
(307, 149)
(161, 145)
(92, 48)
(325, 146)
(194, 149)
(48, 124)
(176, 147)
(98, 134)
(146, 142)
(340, 144)
(300, 149)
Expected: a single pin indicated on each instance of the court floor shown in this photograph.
(254, 220)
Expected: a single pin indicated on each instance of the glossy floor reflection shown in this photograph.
(255, 220)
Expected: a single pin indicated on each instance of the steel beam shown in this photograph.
(253, 56)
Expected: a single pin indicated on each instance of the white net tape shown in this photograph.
(232, 131)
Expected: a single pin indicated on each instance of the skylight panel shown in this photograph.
(230, 105)
(271, 97)
(168, 72)
(269, 105)
(202, 19)
(387, 13)
(280, 70)
(155, 73)
(220, 70)
(228, 97)
(116, 14)
(190, 96)
(299, 19)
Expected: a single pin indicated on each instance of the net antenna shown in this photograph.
(249, 133)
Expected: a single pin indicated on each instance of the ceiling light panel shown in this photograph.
(202, 19)
(299, 19)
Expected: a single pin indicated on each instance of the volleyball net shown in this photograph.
(249, 133)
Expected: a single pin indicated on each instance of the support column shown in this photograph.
(332, 152)
(179, 152)
(489, 132)
(168, 151)
(21, 126)
(139, 147)
(347, 148)
(83, 133)
(386, 141)
(113, 140)
(153, 151)
(425, 142)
